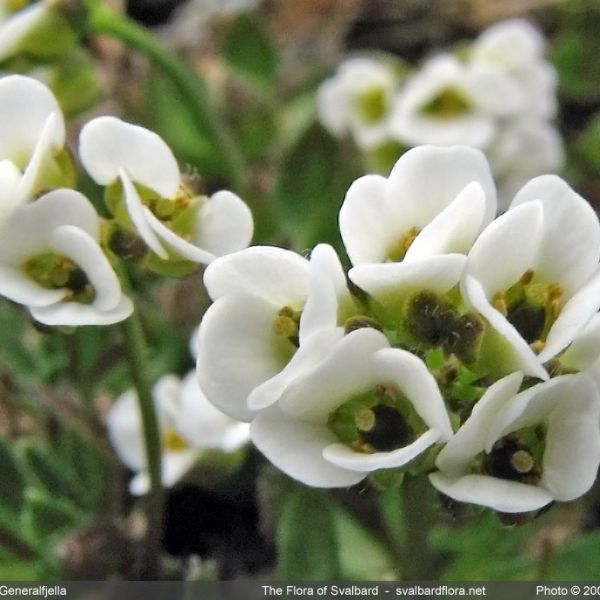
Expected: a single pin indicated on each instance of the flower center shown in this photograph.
(435, 321)
(53, 271)
(379, 420)
(399, 249)
(517, 457)
(371, 104)
(172, 441)
(532, 307)
(448, 104)
(286, 324)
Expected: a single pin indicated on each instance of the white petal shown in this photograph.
(203, 425)
(296, 447)
(470, 439)
(10, 177)
(500, 494)
(571, 246)
(108, 146)
(138, 216)
(408, 373)
(507, 248)
(572, 453)
(572, 319)
(83, 250)
(279, 276)
(495, 91)
(347, 371)
(391, 283)
(368, 223)
(516, 353)
(238, 350)
(15, 27)
(177, 243)
(455, 228)
(176, 464)
(328, 293)
(425, 195)
(586, 347)
(124, 426)
(314, 349)
(224, 224)
(73, 313)
(20, 288)
(26, 105)
(343, 456)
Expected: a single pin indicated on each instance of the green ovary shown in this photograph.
(53, 271)
(448, 104)
(379, 420)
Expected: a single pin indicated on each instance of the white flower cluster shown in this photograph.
(56, 254)
(499, 95)
(459, 345)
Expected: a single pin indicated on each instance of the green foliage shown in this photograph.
(577, 559)
(12, 489)
(483, 548)
(48, 515)
(250, 52)
(306, 537)
(313, 178)
(53, 475)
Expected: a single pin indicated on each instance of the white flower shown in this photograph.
(50, 261)
(163, 211)
(250, 331)
(188, 424)
(518, 452)
(533, 273)
(16, 26)
(365, 407)
(525, 148)
(448, 102)
(275, 316)
(33, 134)
(357, 100)
(516, 48)
(409, 232)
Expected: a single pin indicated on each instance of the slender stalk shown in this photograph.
(136, 354)
(191, 87)
(418, 518)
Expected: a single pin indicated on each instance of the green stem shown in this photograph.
(136, 354)
(418, 564)
(191, 87)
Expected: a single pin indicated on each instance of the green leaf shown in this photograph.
(312, 182)
(361, 555)
(579, 559)
(306, 537)
(48, 515)
(13, 484)
(250, 52)
(53, 475)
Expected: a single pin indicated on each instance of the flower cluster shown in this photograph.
(498, 94)
(57, 255)
(459, 344)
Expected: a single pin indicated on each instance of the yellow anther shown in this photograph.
(173, 441)
(400, 248)
(450, 103)
(499, 302)
(285, 326)
(365, 420)
(554, 308)
(537, 346)
(59, 276)
(372, 104)
(522, 462)
(164, 208)
(555, 290)
(527, 277)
